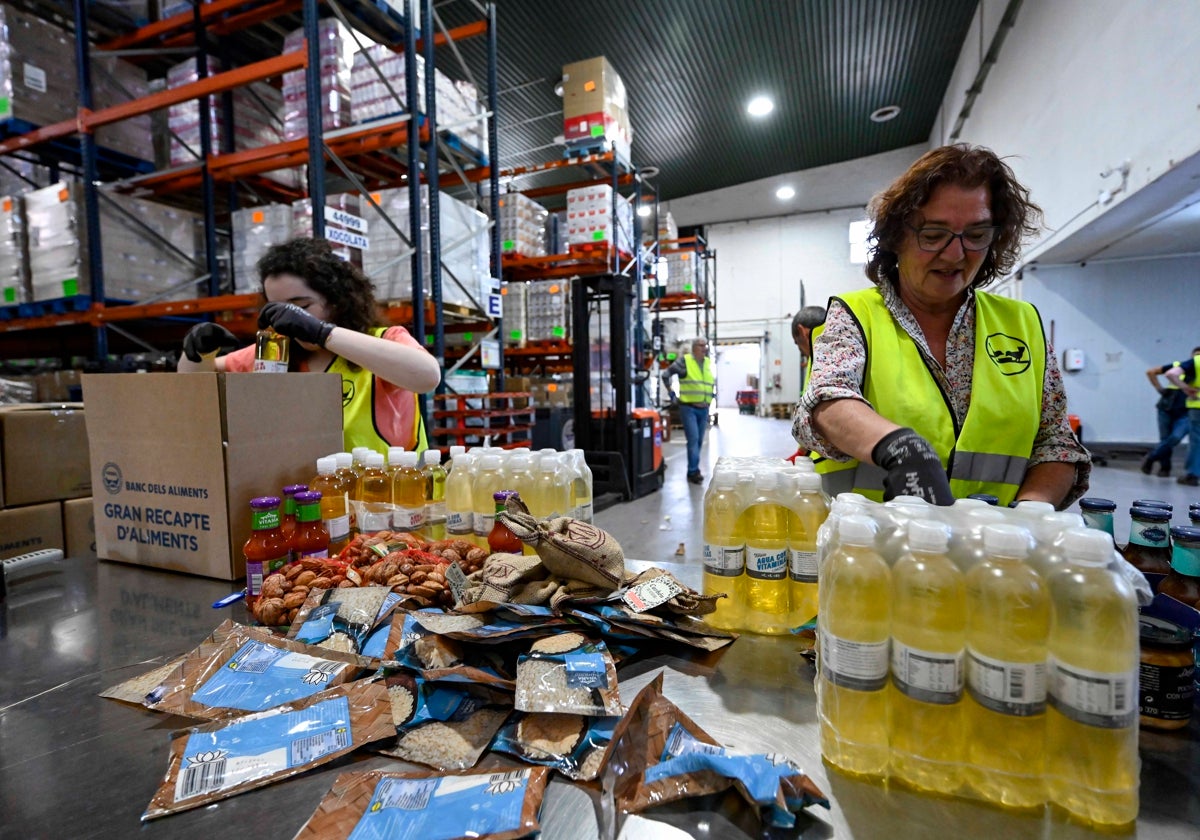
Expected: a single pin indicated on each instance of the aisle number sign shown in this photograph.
(495, 306)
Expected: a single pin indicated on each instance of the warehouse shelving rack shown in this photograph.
(364, 155)
(701, 302)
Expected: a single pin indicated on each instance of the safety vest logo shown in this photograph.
(347, 391)
(1008, 353)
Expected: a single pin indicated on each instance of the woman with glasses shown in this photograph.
(924, 384)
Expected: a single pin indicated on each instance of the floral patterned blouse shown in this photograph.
(839, 355)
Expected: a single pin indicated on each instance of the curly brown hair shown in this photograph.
(347, 290)
(964, 166)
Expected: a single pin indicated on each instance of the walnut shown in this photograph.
(271, 611)
(272, 586)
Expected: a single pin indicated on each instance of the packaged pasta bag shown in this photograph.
(574, 745)
(500, 805)
(568, 674)
(217, 760)
(443, 659)
(659, 755)
(447, 727)
(249, 670)
(345, 619)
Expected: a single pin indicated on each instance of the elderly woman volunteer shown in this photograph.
(924, 385)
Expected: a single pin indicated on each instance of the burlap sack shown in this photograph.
(503, 575)
(569, 548)
(687, 602)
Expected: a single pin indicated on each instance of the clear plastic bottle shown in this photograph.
(349, 479)
(929, 628)
(335, 498)
(460, 516)
(854, 633)
(455, 451)
(765, 524)
(582, 487)
(724, 550)
(553, 488)
(407, 494)
(359, 463)
(1047, 553)
(435, 494)
(807, 510)
(520, 476)
(487, 483)
(1091, 727)
(966, 541)
(375, 496)
(393, 461)
(1005, 713)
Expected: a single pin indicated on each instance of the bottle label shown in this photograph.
(318, 554)
(1101, 521)
(766, 563)
(1153, 534)
(724, 560)
(1010, 688)
(269, 366)
(803, 565)
(926, 675)
(484, 523)
(1185, 559)
(435, 511)
(408, 519)
(254, 578)
(1095, 698)
(338, 527)
(370, 521)
(460, 522)
(862, 666)
(1166, 691)
(584, 512)
(263, 520)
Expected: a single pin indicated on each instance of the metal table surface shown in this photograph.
(73, 764)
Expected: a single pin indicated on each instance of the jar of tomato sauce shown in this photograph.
(501, 539)
(311, 538)
(267, 549)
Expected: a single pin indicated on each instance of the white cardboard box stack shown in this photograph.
(522, 226)
(337, 48)
(255, 229)
(590, 219)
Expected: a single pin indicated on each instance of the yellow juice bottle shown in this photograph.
(1092, 724)
(807, 510)
(1008, 623)
(460, 516)
(408, 494)
(854, 627)
(435, 494)
(724, 551)
(375, 496)
(765, 524)
(487, 482)
(335, 499)
(929, 627)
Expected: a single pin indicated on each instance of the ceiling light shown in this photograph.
(644, 210)
(558, 88)
(887, 112)
(760, 106)
(648, 172)
(785, 192)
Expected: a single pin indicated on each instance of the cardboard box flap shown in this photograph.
(116, 412)
(301, 403)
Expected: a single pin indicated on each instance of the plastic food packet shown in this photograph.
(488, 628)
(409, 806)
(344, 619)
(574, 745)
(685, 629)
(135, 689)
(568, 674)
(249, 670)
(447, 727)
(442, 659)
(660, 755)
(217, 760)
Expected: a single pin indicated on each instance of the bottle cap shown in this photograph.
(928, 535)
(856, 530)
(852, 498)
(293, 489)
(432, 456)
(1094, 504)
(986, 498)
(326, 465)
(1087, 547)
(393, 455)
(809, 482)
(766, 481)
(907, 500)
(343, 459)
(548, 461)
(359, 453)
(1158, 503)
(1150, 514)
(308, 497)
(725, 479)
(1185, 533)
(1034, 507)
(1006, 540)
(1162, 633)
(489, 462)
(374, 460)
(409, 459)
(455, 451)
(969, 503)
(503, 495)
(264, 503)
(1049, 527)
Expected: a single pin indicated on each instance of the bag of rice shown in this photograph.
(568, 674)
(574, 745)
(347, 620)
(409, 806)
(217, 760)
(442, 659)
(488, 628)
(447, 727)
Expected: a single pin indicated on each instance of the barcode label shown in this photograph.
(321, 744)
(406, 794)
(199, 779)
(724, 560)
(1103, 699)
(860, 665)
(803, 565)
(1010, 688)
(929, 676)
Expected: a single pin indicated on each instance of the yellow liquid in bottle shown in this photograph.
(1008, 611)
(767, 598)
(929, 623)
(855, 623)
(1091, 726)
(335, 513)
(488, 481)
(807, 512)
(724, 553)
(460, 517)
(408, 495)
(375, 511)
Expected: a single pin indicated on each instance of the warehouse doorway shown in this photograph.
(739, 367)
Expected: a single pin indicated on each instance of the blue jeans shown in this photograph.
(695, 424)
(1193, 458)
(1170, 433)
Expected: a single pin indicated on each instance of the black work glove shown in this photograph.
(290, 320)
(207, 340)
(913, 468)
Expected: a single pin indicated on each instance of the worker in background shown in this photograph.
(925, 385)
(327, 307)
(1183, 377)
(803, 324)
(697, 387)
(1172, 418)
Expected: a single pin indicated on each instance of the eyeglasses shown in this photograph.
(938, 239)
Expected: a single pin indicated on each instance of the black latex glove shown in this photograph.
(913, 468)
(290, 320)
(207, 340)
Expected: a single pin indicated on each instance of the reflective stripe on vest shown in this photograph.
(697, 387)
(1193, 402)
(358, 409)
(990, 453)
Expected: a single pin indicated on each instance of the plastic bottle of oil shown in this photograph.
(460, 517)
(1091, 727)
(487, 483)
(435, 494)
(807, 509)
(724, 551)
(349, 480)
(582, 486)
(765, 524)
(407, 491)
(1005, 713)
(854, 634)
(375, 496)
(335, 498)
(929, 628)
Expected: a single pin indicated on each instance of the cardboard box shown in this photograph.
(45, 453)
(79, 528)
(594, 102)
(32, 528)
(176, 459)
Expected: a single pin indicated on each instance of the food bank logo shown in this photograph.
(110, 475)
(1008, 353)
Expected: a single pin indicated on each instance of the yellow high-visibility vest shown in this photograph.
(358, 409)
(698, 386)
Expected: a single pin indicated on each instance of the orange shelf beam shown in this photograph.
(175, 24)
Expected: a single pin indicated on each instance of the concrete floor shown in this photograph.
(666, 526)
